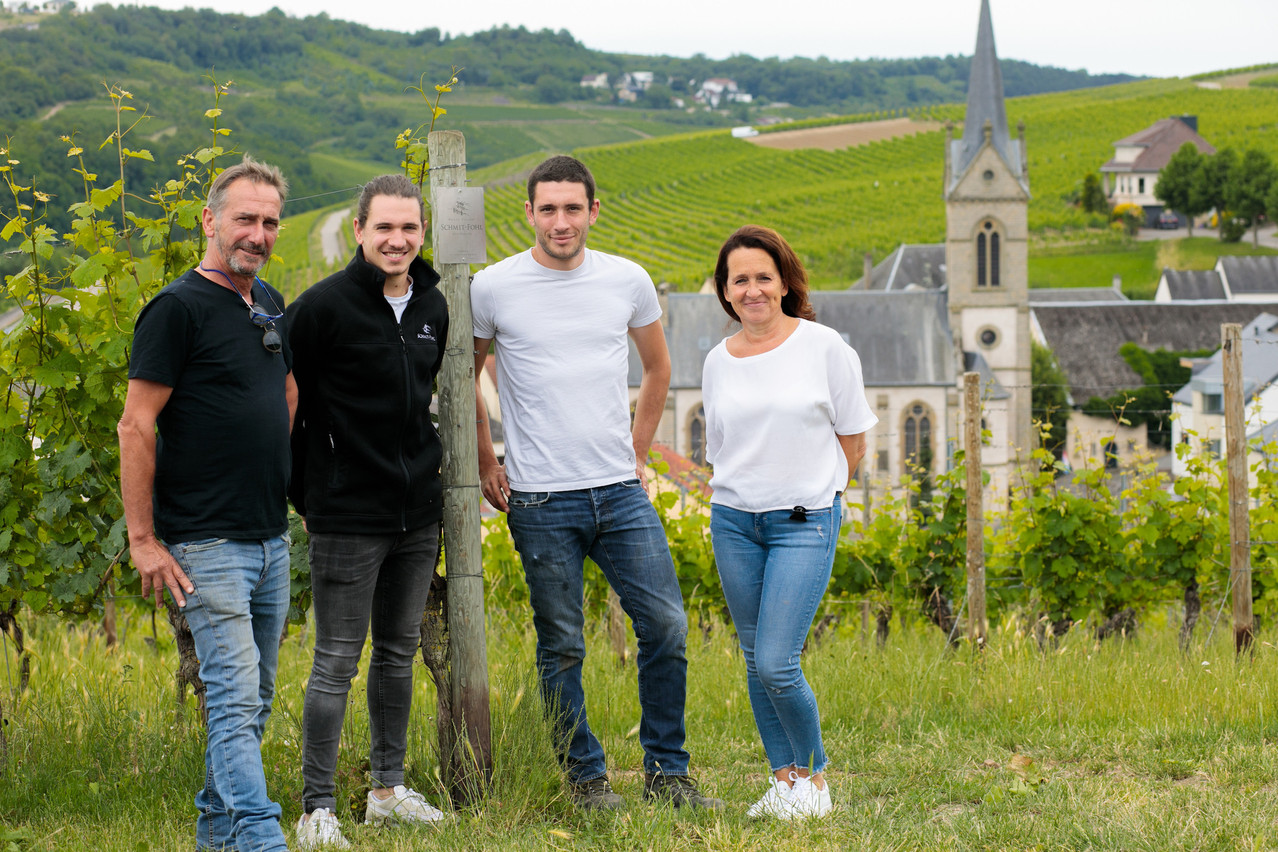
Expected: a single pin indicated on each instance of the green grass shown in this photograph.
(1140, 263)
(1117, 746)
(1096, 266)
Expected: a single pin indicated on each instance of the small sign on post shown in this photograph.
(459, 225)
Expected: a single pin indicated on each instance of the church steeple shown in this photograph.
(986, 120)
(987, 257)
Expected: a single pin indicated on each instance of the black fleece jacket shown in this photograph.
(365, 454)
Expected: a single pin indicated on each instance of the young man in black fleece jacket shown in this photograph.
(367, 343)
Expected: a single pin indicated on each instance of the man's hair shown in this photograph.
(795, 302)
(248, 169)
(562, 169)
(396, 186)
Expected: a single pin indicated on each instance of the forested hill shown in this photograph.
(67, 55)
(315, 94)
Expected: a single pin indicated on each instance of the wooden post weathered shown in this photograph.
(1236, 468)
(976, 626)
(467, 758)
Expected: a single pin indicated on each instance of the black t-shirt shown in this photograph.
(222, 457)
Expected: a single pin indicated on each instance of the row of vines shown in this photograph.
(669, 203)
(64, 365)
(1072, 549)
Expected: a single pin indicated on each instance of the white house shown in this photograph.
(1131, 175)
(1198, 407)
(721, 90)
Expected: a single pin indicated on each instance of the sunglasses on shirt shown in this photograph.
(266, 321)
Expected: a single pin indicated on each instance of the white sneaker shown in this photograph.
(775, 802)
(808, 800)
(320, 830)
(404, 805)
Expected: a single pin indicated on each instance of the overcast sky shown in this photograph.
(1172, 38)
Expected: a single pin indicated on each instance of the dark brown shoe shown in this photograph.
(678, 790)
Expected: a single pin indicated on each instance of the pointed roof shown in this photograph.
(1157, 144)
(985, 105)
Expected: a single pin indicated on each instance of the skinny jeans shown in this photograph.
(358, 580)
(774, 572)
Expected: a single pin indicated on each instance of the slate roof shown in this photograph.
(1259, 356)
(1075, 294)
(991, 387)
(902, 338)
(1251, 275)
(695, 323)
(1160, 140)
(907, 265)
(1086, 337)
(1194, 284)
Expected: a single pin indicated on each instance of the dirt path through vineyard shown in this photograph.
(844, 135)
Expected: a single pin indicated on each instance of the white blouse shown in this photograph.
(772, 420)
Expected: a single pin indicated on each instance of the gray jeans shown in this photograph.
(355, 579)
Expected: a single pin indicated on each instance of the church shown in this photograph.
(919, 320)
(926, 314)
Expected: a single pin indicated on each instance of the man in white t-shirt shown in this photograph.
(573, 484)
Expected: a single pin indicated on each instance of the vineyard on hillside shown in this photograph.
(669, 203)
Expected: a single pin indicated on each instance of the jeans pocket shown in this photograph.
(201, 545)
(527, 499)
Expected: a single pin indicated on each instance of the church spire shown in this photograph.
(986, 117)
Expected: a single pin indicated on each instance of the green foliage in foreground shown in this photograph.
(1120, 746)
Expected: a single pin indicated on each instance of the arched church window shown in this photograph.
(917, 432)
(994, 255)
(697, 436)
(988, 255)
(980, 260)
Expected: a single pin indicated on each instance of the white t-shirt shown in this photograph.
(398, 303)
(562, 364)
(772, 418)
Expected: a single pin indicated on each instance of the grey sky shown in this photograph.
(1166, 39)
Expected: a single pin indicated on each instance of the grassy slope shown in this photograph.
(1140, 264)
(669, 202)
(1111, 747)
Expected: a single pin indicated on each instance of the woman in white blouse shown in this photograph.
(786, 417)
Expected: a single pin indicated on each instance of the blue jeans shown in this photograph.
(774, 571)
(616, 526)
(236, 614)
(356, 579)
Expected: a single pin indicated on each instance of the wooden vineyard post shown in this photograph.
(1236, 468)
(976, 626)
(467, 757)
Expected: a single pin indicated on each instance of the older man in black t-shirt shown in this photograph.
(205, 499)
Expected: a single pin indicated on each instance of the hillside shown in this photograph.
(669, 203)
(324, 98)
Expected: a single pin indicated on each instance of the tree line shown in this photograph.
(280, 49)
(1243, 190)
